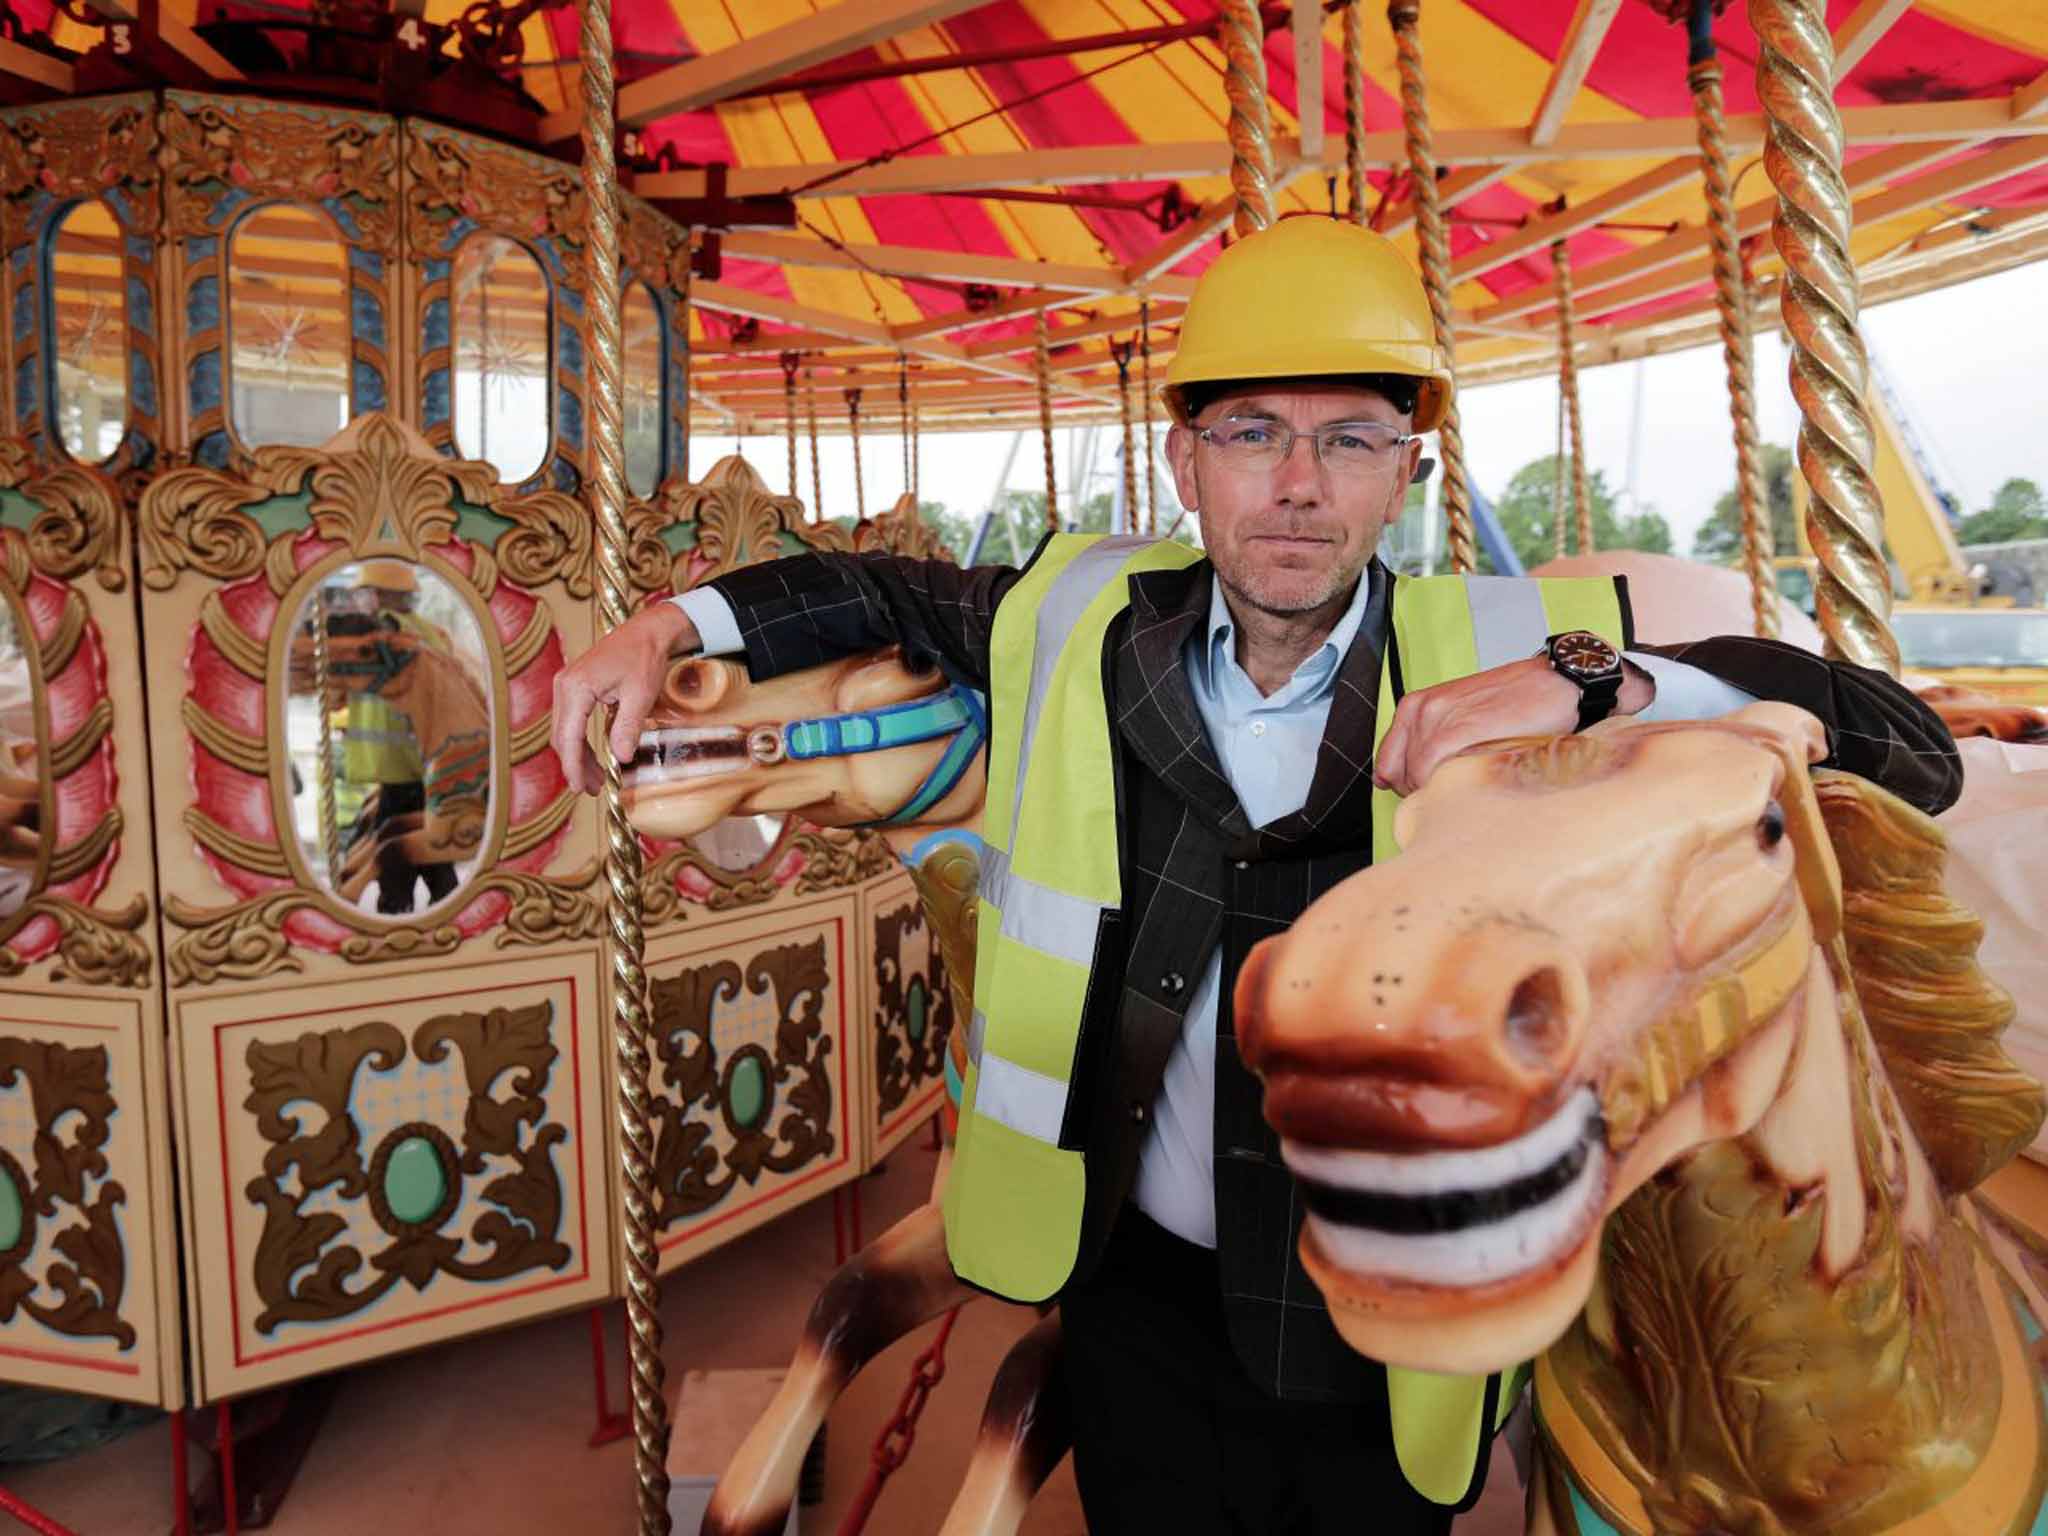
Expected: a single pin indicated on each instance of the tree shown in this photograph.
(1720, 536)
(2017, 511)
(1524, 509)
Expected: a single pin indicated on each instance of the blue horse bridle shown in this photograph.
(959, 712)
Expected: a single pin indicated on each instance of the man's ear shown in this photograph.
(1180, 455)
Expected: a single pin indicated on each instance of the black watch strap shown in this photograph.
(1597, 700)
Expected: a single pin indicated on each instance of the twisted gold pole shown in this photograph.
(1121, 355)
(1436, 272)
(860, 495)
(1243, 35)
(916, 453)
(1145, 388)
(811, 417)
(330, 830)
(1803, 154)
(789, 362)
(683, 303)
(1041, 354)
(1560, 544)
(1354, 107)
(605, 474)
(1568, 387)
(1732, 300)
(903, 412)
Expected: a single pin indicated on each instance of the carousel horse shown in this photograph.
(1967, 713)
(450, 718)
(882, 741)
(1662, 1060)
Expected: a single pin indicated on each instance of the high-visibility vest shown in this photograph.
(1014, 1197)
(378, 744)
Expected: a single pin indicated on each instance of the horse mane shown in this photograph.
(1935, 1016)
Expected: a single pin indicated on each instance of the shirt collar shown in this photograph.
(1215, 658)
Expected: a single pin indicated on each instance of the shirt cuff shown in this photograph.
(1685, 692)
(718, 627)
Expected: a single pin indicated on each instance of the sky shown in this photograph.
(1966, 363)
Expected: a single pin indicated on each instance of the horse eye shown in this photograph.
(1770, 827)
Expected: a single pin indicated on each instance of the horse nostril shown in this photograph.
(1537, 1028)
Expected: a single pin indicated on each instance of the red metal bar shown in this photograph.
(230, 1504)
(610, 1426)
(32, 1517)
(181, 1476)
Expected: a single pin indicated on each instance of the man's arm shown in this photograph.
(1877, 729)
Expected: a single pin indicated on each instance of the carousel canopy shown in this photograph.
(886, 182)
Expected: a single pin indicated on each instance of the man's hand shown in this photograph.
(624, 669)
(1523, 698)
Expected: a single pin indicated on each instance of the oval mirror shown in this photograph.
(644, 354)
(288, 328)
(21, 779)
(89, 296)
(393, 818)
(740, 845)
(501, 317)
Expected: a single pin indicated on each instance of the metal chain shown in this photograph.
(1042, 356)
(1145, 388)
(892, 1445)
(790, 362)
(1436, 273)
(860, 495)
(605, 476)
(1732, 299)
(1795, 72)
(1242, 32)
(1120, 354)
(1354, 107)
(811, 415)
(1568, 388)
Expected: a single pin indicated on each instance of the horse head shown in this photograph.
(876, 738)
(1472, 1059)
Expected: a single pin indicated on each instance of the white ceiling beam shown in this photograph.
(40, 68)
(1308, 76)
(903, 261)
(1468, 181)
(1582, 42)
(1863, 29)
(1540, 233)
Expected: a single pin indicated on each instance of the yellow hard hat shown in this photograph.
(1310, 297)
(388, 576)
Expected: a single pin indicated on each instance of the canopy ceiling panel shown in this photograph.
(924, 177)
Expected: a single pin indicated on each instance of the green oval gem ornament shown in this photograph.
(10, 1210)
(748, 1092)
(916, 1004)
(415, 1182)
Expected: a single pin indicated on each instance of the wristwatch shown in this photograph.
(1586, 659)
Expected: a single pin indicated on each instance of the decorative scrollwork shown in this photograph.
(727, 520)
(264, 151)
(73, 149)
(300, 1269)
(192, 519)
(695, 1167)
(913, 1010)
(827, 859)
(902, 531)
(77, 522)
(73, 1102)
(97, 948)
(453, 177)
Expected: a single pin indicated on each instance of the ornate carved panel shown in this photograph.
(223, 159)
(456, 186)
(233, 561)
(52, 158)
(369, 1173)
(909, 1015)
(754, 1059)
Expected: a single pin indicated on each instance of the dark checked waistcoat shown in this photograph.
(1197, 874)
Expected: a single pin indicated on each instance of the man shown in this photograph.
(1215, 771)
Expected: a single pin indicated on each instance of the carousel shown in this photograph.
(352, 356)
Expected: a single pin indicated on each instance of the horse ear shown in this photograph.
(696, 684)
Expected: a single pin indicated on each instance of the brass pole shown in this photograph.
(903, 411)
(1436, 272)
(1818, 298)
(689, 272)
(1145, 389)
(1568, 387)
(1354, 107)
(1731, 297)
(1042, 356)
(1560, 543)
(916, 453)
(789, 361)
(330, 831)
(817, 474)
(1243, 36)
(605, 475)
(860, 495)
(1121, 355)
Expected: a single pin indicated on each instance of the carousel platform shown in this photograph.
(490, 1434)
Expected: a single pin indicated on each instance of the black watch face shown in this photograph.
(1583, 655)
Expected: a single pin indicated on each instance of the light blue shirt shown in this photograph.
(1267, 745)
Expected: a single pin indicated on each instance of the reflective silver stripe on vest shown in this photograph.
(1508, 621)
(1028, 1102)
(1049, 921)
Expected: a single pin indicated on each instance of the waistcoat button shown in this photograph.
(1139, 1114)
(1173, 983)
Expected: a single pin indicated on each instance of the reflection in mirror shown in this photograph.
(89, 293)
(501, 356)
(393, 821)
(739, 844)
(21, 792)
(288, 328)
(642, 321)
